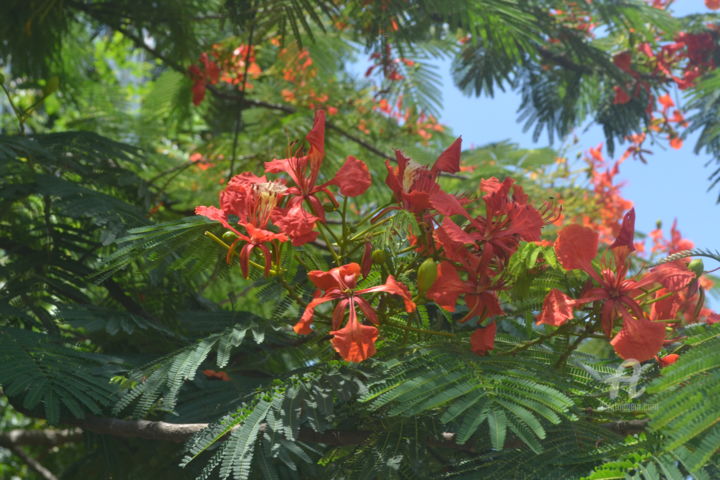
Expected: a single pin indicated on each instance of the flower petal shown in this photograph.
(353, 178)
(298, 224)
(336, 278)
(449, 160)
(447, 204)
(557, 309)
(354, 342)
(316, 137)
(447, 287)
(639, 339)
(483, 339)
(627, 232)
(302, 327)
(576, 246)
(393, 287)
(673, 276)
(484, 305)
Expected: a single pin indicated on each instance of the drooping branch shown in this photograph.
(32, 463)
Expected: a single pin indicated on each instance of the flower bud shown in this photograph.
(229, 236)
(426, 275)
(379, 257)
(696, 266)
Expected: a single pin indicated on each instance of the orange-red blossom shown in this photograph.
(355, 341)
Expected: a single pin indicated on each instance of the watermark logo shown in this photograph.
(626, 381)
(631, 381)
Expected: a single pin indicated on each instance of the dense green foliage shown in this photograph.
(115, 303)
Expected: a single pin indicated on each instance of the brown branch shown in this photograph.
(46, 438)
(627, 427)
(32, 463)
(147, 429)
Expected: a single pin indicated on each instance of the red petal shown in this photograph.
(394, 287)
(668, 359)
(449, 160)
(316, 137)
(627, 232)
(483, 304)
(673, 276)
(447, 204)
(639, 339)
(665, 308)
(483, 339)
(367, 261)
(621, 96)
(298, 224)
(447, 287)
(576, 246)
(302, 327)
(353, 178)
(557, 309)
(354, 342)
(213, 213)
(455, 233)
(339, 277)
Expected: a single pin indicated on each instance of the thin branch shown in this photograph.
(32, 463)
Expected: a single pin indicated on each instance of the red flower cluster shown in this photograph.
(229, 67)
(475, 254)
(641, 337)
(256, 201)
(607, 195)
(206, 72)
(464, 256)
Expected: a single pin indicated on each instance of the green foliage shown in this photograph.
(683, 416)
(117, 302)
(39, 371)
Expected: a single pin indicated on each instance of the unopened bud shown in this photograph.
(426, 275)
(696, 266)
(379, 257)
(230, 236)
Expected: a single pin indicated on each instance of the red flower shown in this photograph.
(208, 72)
(296, 223)
(479, 298)
(252, 200)
(355, 342)
(483, 339)
(668, 359)
(353, 178)
(413, 184)
(216, 375)
(639, 338)
(497, 233)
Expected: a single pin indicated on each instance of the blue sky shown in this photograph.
(672, 185)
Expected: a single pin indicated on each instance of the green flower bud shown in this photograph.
(696, 266)
(426, 275)
(229, 236)
(379, 257)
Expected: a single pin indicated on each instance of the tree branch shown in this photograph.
(45, 438)
(32, 463)
(180, 432)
